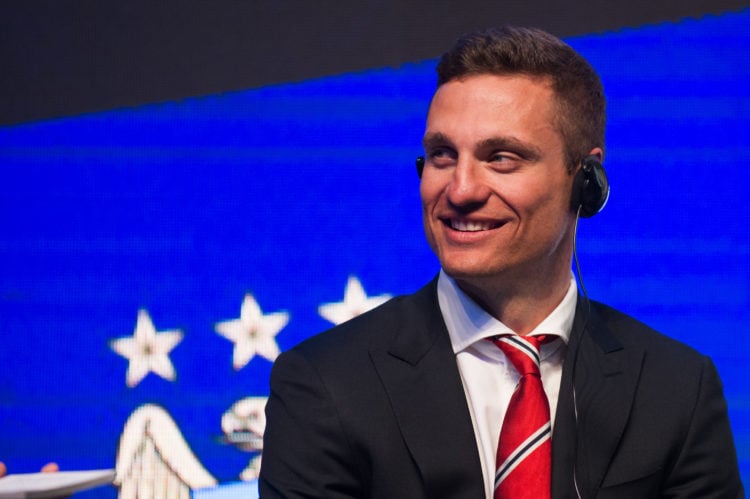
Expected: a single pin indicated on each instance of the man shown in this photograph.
(418, 398)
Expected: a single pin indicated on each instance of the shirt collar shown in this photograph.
(468, 323)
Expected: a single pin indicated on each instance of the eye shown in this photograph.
(441, 156)
(505, 155)
(504, 160)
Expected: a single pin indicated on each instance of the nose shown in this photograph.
(468, 186)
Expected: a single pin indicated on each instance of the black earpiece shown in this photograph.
(590, 187)
(420, 165)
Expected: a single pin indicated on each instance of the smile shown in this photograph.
(470, 226)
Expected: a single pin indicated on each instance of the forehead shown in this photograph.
(481, 107)
(486, 109)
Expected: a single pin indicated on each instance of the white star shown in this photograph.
(355, 303)
(253, 333)
(147, 350)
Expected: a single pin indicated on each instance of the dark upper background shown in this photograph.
(65, 57)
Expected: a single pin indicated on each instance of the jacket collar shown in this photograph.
(418, 370)
(591, 417)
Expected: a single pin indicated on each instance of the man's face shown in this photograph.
(495, 189)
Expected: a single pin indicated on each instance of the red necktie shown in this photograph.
(524, 452)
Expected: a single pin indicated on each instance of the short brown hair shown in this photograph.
(513, 50)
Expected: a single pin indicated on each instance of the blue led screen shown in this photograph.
(285, 197)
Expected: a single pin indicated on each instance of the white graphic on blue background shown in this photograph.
(355, 302)
(243, 426)
(154, 457)
(253, 333)
(147, 350)
(154, 460)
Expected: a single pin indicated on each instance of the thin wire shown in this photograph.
(575, 357)
(575, 259)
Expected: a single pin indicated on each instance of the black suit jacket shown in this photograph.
(375, 408)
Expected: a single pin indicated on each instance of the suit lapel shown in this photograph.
(419, 372)
(605, 376)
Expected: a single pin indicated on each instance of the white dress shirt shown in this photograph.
(488, 377)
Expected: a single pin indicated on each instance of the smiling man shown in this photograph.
(496, 194)
(497, 379)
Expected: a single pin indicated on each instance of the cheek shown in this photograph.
(429, 190)
(429, 195)
(543, 207)
(546, 192)
(525, 198)
(423, 193)
(552, 216)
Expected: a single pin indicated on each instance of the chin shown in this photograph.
(468, 272)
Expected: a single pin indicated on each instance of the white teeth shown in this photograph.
(469, 226)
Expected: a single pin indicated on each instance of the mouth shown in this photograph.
(470, 225)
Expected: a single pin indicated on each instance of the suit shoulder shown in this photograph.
(631, 331)
(374, 327)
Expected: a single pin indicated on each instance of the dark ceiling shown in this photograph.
(64, 57)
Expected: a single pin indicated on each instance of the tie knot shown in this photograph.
(522, 351)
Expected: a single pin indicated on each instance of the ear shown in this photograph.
(598, 152)
(590, 185)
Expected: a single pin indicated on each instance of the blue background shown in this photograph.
(285, 191)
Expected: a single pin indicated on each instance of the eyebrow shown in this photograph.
(524, 149)
(435, 139)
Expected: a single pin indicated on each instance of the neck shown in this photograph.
(520, 305)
